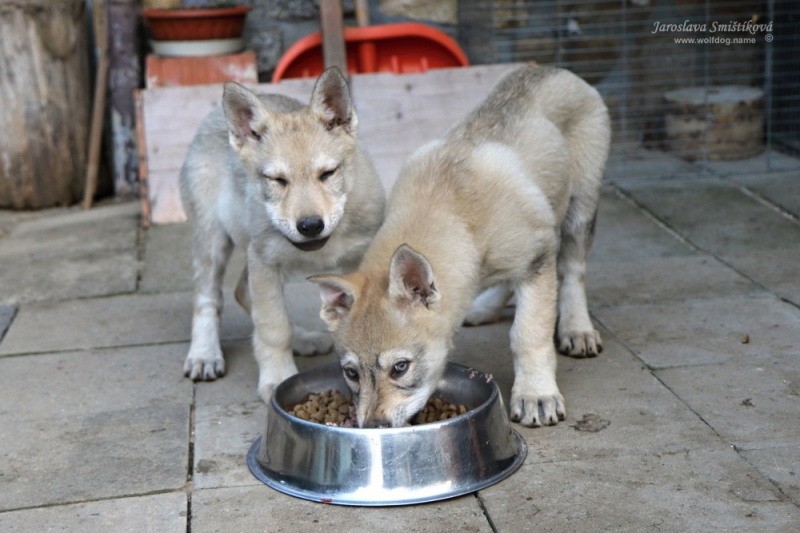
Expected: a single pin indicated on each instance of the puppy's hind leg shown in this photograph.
(242, 292)
(576, 334)
(308, 342)
(489, 304)
(589, 139)
(210, 254)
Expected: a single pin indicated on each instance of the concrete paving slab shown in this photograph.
(240, 383)
(167, 265)
(109, 454)
(9, 219)
(642, 163)
(35, 278)
(157, 512)
(767, 161)
(781, 465)
(777, 270)
(168, 260)
(626, 233)
(71, 255)
(686, 491)
(223, 435)
(704, 331)
(62, 231)
(663, 280)
(782, 189)
(114, 321)
(729, 221)
(7, 314)
(91, 382)
(748, 402)
(643, 415)
(96, 424)
(260, 508)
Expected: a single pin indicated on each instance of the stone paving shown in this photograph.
(693, 282)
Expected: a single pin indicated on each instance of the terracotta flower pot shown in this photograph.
(192, 24)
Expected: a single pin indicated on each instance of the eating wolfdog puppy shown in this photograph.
(506, 200)
(291, 185)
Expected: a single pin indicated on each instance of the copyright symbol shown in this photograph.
(768, 37)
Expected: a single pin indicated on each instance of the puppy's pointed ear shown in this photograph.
(331, 102)
(338, 296)
(411, 278)
(245, 113)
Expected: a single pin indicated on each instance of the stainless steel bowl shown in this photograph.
(387, 466)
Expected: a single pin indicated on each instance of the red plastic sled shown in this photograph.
(400, 48)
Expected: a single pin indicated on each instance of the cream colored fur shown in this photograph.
(505, 201)
(290, 184)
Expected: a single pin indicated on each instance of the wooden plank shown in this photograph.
(397, 114)
(99, 12)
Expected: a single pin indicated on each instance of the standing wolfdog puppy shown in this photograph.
(507, 199)
(289, 183)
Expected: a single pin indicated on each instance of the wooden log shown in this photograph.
(723, 123)
(44, 118)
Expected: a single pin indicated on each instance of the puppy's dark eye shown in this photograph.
(399, 368)
(350, 373)
(327, 174)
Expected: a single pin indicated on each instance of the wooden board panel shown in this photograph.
(397, 114)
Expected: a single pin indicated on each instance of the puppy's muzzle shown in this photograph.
(310, 227)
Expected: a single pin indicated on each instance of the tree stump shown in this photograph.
(44, 118)
(723, 123)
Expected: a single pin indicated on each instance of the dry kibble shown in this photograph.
(332, 408)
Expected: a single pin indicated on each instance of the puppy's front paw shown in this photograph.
(580, 343)
(204, 365)
(534, 410)
(306, 342)
(267, 381)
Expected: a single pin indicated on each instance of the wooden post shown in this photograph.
(362, 12)
(333, 49)
(44, 116)
(124, 78)
(99, 107)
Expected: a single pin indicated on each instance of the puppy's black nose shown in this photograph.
(310, 226)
